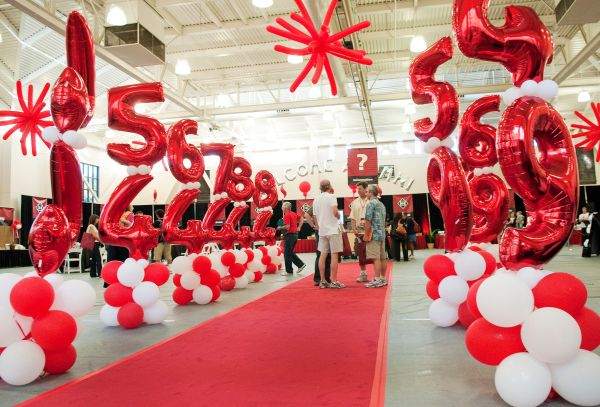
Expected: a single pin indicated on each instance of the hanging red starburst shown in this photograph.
(591, 131)
(318, 43)
(30, 121)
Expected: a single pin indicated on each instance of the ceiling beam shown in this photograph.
(571, 67)
(56, 24)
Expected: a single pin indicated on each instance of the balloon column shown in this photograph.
(38, 314)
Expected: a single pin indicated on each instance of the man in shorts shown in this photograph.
(375, 236)
(357, 217)
(326, 216)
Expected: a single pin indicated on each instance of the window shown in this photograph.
(90, 174)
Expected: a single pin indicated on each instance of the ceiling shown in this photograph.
(239, 86)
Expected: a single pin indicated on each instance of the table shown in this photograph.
(14, 258)
(306, 246)
(440, 241)
(421, 242)
(576, 237)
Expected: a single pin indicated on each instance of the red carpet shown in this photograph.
(299, 346)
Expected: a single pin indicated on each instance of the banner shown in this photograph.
(37, 204)
(403, 203)
(362, 165)
(7, 214)
(347, 203)
(303, 206)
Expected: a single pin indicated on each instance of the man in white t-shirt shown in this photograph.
(357, 217)
(326, 216)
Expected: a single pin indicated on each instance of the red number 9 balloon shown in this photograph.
(490, 207)
(450, 192)
(178, 150)
(548, 185)
(476, 141)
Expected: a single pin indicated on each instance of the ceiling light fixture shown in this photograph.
(262, 3)
(295, 59)
(418, 44)
(182, 67)
(116, 16)
(584, 96)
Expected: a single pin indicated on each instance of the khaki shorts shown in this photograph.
(376, 249)
(331, 244)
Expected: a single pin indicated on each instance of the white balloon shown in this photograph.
(130, 274)
(523, 381)
(74, 139)
(181, 264)
(31, 274)
(9, 328)
(240, 256)
(241, 282)
(469, 265)
(529, 88)
(272, 250)
(510, 95)
(7, 282)
(143, 262)
(443, 314)
(250, 276)
(504, 300)
(578, 380)
(51, 134)
(453, 290)
(551, 335)
(494, 249)
(530, 276)
(21, 363)
(258, 254)
(202, 295)
(146, 294)
(190, 280)
(108, 315)
(547, 89)
(75, 297)
(156, 313)
(55, 280)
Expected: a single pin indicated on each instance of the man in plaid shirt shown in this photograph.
(375, 236)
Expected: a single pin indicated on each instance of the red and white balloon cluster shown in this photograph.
(535, 327)
(133, 296)
(450, 277)
(38, 324)
(195, 280)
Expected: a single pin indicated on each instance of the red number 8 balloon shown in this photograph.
(450, 192)
(548, 185)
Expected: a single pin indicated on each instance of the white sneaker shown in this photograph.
(301, 269)
(363, 278)
(285, 273)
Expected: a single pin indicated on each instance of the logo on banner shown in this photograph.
(37, 205)
(362, 165)
(403, 203)
(305, 207)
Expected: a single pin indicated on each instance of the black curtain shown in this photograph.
(593, 197)
(420, 214)
(27, 217)
(437, 222)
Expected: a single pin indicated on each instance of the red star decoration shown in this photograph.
(30, 121)
(591, 131)
(318, 44)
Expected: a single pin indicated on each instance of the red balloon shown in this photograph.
(117, 295)
(177, 280)
(81, 57)
(271, 269)
(549, 186)
(60, 361)
(216, 292)
(257, 276)
(54, 331)
(181, 296)
(49, 240)
(157, 273)
(490, 344)
(109, 271)
(490, 207)
(264, 250)
(32, 297)
(202, 263)
(490, 262)
(69, 103)
(465, 316)
(472, 298)
(304, 187)
(210, 278)
(431, 288)
(265, 196)
(192, 237)
(523, 45)
(250, 255)
(122, 117)
(240, 186)
(437, 267)
(266, 260)
(130, 315)
(477, 141)
(450, 192)
(178, 150)
(228, 259)
(561, 290)
(225, 153)
(425, 90)
(589, 323)
(138, 238)
(237, 270)
(227, 283)
(214, 212)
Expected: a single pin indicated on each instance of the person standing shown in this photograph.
(375, 236)
(95, 258)
(163, 249)
(290, 230)
(409, 224)
(399, 237)
(357, 218)
(309, 217)
(326, 213)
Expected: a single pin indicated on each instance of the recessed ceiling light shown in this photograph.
(584, 96)
(182, 67)
(418, 44)
(116, 16)
(224, 54)
(262, 3)
(295, 59)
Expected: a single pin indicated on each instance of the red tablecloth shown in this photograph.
(440, 241)
(576, 237)
(306, 246)
(421, 243)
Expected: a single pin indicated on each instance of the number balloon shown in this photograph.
(178, 150)
(225, 153)
(490, 207)
(240, 186)
(69, 101)
(192, 237)
(477, 141)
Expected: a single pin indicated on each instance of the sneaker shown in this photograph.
(372, 284)
(284, 273)
(337, 284)
(323, 284)
(301, 269)
(363, 278)
(382, 282)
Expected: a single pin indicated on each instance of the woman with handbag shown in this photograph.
(91, 242)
